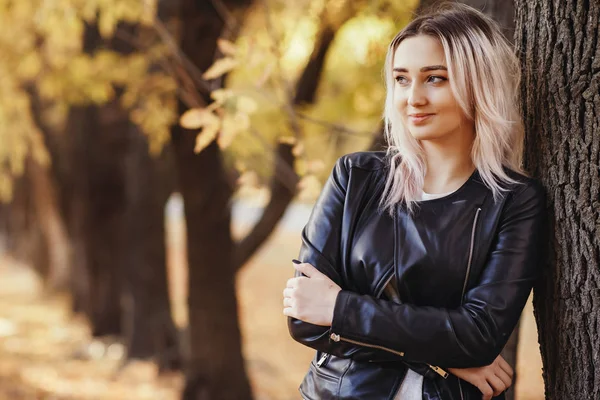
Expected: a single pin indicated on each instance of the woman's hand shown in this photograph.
(310, 298)
(491, 380)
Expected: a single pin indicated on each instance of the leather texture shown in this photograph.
(463, 266)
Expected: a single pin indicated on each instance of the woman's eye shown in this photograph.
(401, 79)
(436, 79)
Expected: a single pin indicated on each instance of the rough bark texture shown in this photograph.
(215, 366)
(502, 11)
(560, 55)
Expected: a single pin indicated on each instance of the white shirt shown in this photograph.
(412, 385)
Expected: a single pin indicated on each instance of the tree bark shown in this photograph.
(560, 57)
(25, 240)
(51, 225)
(149, 329)
(502, 11)
(116, 206)
(215, 368)
(106, 145)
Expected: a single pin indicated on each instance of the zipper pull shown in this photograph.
(323, 358)
(334, 337)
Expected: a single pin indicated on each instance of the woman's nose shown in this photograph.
(416, 95)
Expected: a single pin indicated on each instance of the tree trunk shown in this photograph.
(118, 193)
(148, 327)
(502, 11)
(46, 192)
(215, 368)
(106, 144)
(25, 240)
(560, 57)
(76, 207)
(51, 224)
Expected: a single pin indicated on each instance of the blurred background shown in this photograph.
(158, 160)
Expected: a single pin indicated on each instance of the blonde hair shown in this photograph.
(484, 77)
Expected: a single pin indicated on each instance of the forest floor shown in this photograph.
(41, 344)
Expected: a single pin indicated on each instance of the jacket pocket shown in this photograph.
(324, 382)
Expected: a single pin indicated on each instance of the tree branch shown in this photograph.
(282, 194)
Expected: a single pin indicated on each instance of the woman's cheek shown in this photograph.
(399, 101)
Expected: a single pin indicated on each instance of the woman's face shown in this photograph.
(422, 93)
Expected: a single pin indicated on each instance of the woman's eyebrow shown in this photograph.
(424, 69)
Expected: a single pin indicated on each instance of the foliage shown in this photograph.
(42, 47)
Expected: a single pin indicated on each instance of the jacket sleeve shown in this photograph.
(321, 247)
(473, 334)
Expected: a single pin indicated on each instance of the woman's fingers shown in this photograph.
(505, 367)
(497, 384)
(500, 373)
(287, 292)
(307, 269)
(485, 388)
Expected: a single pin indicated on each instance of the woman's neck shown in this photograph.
(447, 169)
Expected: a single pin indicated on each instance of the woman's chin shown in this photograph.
(421, 135)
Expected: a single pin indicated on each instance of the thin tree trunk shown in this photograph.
(51, 224)
(48, 191)
(78, 122)
(148, 327)
(25, 241)
(215, 368)
(560, 57)
(106, 144)
(285, 179)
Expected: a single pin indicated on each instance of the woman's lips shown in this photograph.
(419, 118)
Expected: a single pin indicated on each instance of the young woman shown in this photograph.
(416, 263)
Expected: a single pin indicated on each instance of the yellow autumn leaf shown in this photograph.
(298, 149)
(205, 137)
(220, 67)
(220, 96)
(30, 66)
(232, 125)
(226, 47)
(195, 118)
(107, 24)
(287, 140)
(246, 105)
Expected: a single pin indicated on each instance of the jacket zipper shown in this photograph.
(470, 255)
(462, 296)
(337, 338)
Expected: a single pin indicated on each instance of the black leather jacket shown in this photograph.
(463, 267)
